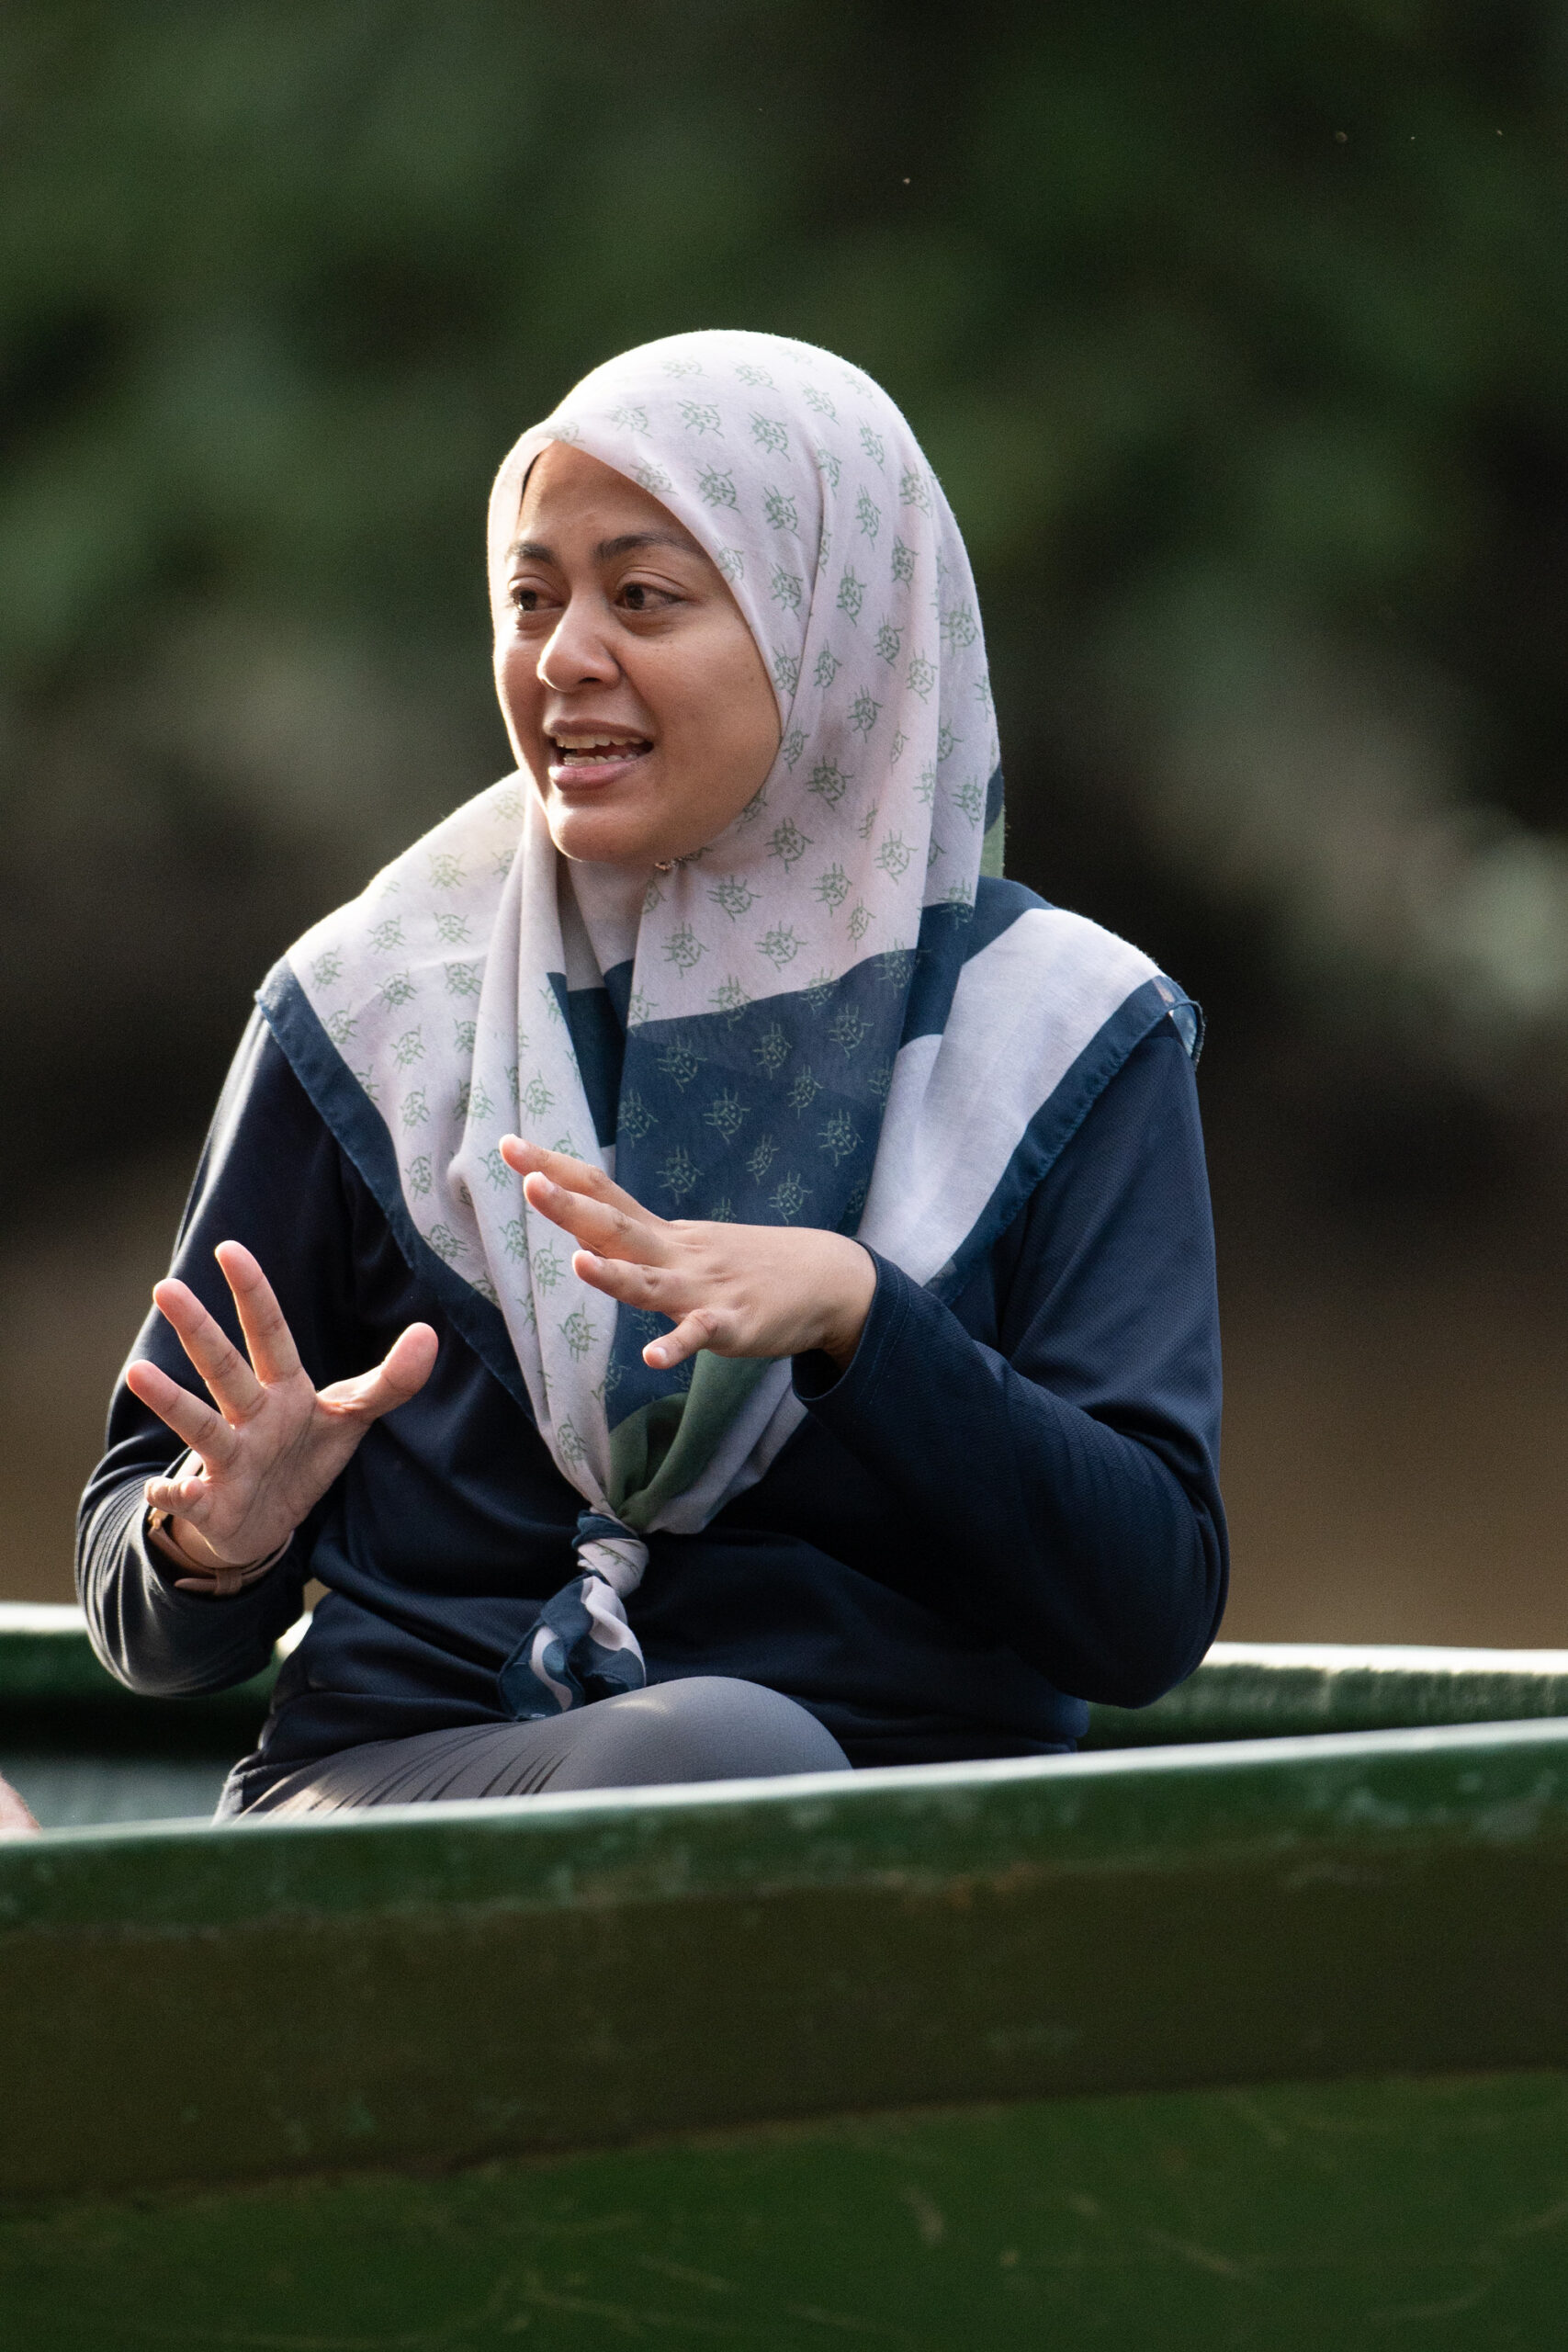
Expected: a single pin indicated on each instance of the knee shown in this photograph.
(716, 1727)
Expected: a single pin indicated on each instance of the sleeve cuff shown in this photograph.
(818, 1380)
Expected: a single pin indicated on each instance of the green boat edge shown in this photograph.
(1251, 2033)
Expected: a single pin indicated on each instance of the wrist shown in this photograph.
(185, 1541)
(841, 1334)
(174, 1539)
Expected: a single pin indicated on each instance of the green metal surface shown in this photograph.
(1262, 1690)
(1340, 2218)
(1260, 2042)
(88, 1787)
(444, 1985)
(82, 1748)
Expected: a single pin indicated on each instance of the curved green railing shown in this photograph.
(85, 1749)
(1256, 2034)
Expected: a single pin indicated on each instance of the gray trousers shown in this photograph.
(711, 1727)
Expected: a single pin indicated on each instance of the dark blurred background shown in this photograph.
(1239, 338)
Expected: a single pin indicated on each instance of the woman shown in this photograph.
(786, 1243)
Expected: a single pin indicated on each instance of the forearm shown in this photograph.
(1070, 1539)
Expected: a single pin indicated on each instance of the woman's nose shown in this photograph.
(576, 653)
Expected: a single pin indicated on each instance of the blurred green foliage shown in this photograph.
(1238, 335)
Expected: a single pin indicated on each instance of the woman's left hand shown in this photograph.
(738, 1290)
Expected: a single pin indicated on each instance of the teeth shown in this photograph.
(598, 742)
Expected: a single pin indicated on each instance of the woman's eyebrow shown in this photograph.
(535, 551)
(607, 550)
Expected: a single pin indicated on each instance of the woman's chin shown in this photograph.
(645, 820)
(604, 836)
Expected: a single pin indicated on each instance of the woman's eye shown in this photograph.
(637, 596)
(524, 600)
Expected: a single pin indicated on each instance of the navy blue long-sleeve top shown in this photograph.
(1003, 1506)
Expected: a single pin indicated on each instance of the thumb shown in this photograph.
(401, 1373)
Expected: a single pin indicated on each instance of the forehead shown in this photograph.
(570, 496)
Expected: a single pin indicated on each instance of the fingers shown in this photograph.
(408, 1364)
(267, 1336)
(652, 1286)
(610, 1232)
(401, 1373)
(194, 1423)
(633, 1283)
(234, 1386)
(574, 1175)
(702, 1327)
(188, 1498)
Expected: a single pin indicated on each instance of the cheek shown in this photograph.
(753, 716)
(725, 707)
(516, 679)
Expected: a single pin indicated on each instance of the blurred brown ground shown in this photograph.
(1393, 1461)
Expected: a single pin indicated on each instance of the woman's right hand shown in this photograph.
(275, 1442)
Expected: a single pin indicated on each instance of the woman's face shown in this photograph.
(633, 692)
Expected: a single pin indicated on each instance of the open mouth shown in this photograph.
(589, 758)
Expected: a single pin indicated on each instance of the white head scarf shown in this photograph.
(826, 1016)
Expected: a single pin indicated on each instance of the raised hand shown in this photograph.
(740, 1290)
(275, 1442)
